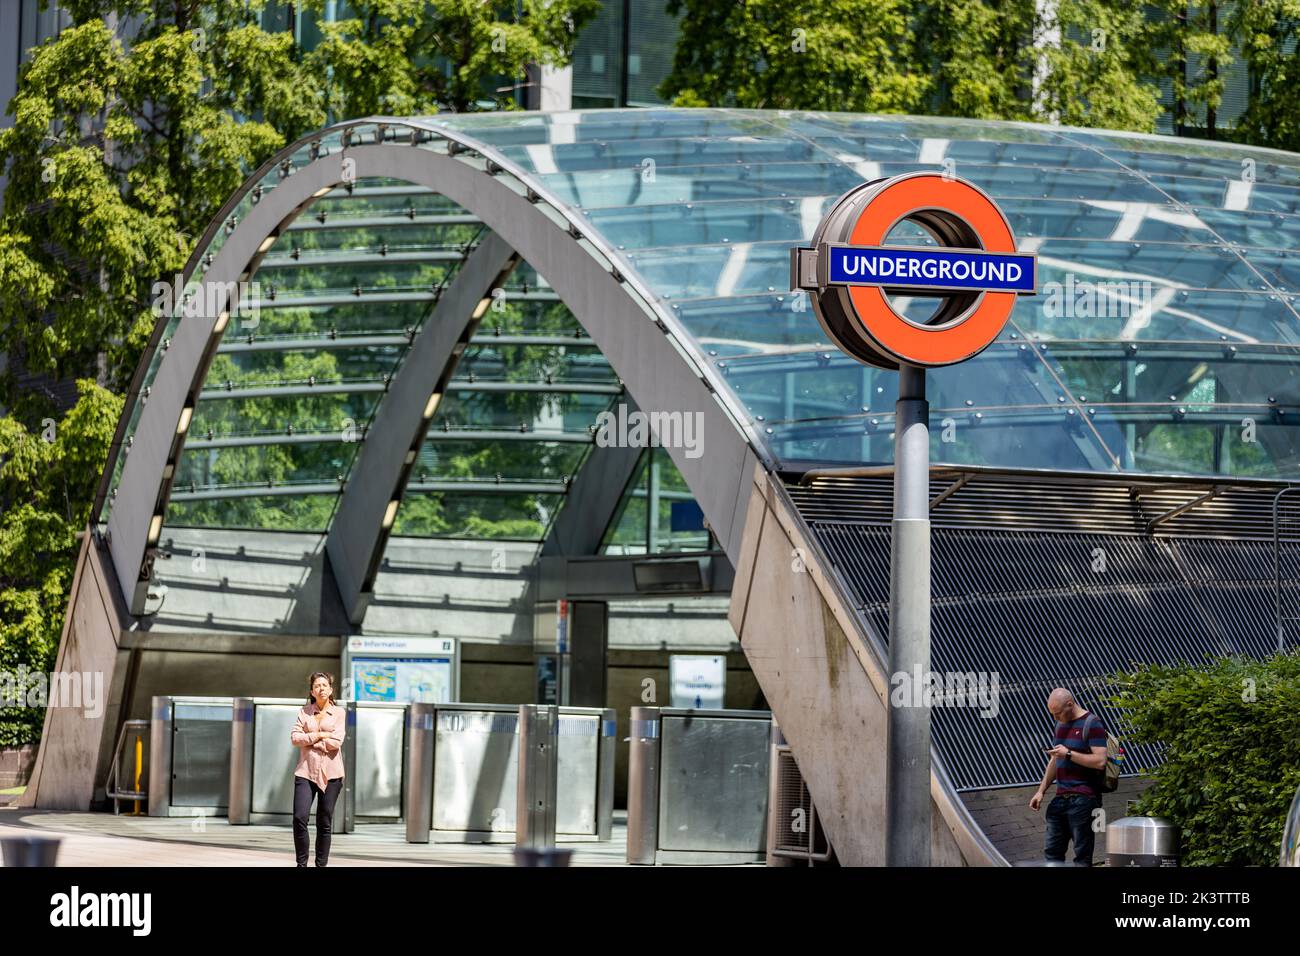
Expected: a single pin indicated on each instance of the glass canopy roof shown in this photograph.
(1165, 337)
(1170, 344)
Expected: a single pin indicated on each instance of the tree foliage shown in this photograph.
(1268, 35)
(47, 480)
(1231, 758)
(1111, 64)
(131, 128)
(774, 54)
(414, 57)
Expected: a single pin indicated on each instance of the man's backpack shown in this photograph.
(1108, 782)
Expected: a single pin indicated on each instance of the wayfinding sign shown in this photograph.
(973, 269)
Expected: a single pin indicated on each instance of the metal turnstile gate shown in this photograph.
(470, 768)
(697, 786)
(188, 759)
(263, 759)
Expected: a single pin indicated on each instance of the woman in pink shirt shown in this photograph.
(318, 733)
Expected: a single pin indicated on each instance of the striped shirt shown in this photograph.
(1070, 776)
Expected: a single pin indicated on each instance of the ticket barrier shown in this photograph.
(263, 760)
(464, 762)
(698, 786)
(188, 758)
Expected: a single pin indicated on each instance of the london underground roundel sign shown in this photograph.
(973, 270)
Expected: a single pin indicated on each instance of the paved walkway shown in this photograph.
(102, 839)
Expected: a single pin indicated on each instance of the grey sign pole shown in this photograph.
(907, 794)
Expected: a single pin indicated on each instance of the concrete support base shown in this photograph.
(85, 691)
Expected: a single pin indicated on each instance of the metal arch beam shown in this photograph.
(155, 449)
(651, 363)
(356, 538)
(633, 337)
(592, 500)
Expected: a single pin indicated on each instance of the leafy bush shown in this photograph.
(1231, 756)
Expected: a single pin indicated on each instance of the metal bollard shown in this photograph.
(542, 856)
(240, 805)
(349, 795)
(539, 726)
(417, 772)
(30, 851)
(161, 728)
(643, 786)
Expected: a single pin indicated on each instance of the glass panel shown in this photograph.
(519, 411)
(1189, 266)
(487, 460)
(300, 365)
(657, 513)
(1231, 193)
(1266, 230)
(347, 276)
(280, 414)
(705, 204)
(465, 515)
(746, 324)
(272, 513)
(218, 468)
(649, 183)
(1189, 157)
(349, 315)
(829, 385)
(484, 360)
(1027, 437)
(1123, 310)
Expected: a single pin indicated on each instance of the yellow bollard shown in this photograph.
(139, 766)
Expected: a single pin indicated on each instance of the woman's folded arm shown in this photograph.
(333, 740)
(300, 736)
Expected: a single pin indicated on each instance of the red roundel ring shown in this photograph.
(921, 196)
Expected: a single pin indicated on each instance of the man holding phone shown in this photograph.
(1078, 764)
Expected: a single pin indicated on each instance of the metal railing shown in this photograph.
(1286, 564)
(140, 728)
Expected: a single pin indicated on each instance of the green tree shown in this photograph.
(119, 155)
(1230, 758)
(405, 57)
(131, 128)
(850, 55)
(1267, 34)
(1075, 62)
(979, 56)
(1185, 49)
(47, 480)
(1092, 76)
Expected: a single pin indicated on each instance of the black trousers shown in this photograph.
(1069, 818)
(304, 791)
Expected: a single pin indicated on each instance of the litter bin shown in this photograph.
(1142, 841)
(30, 851)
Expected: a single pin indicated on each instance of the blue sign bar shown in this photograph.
(946, 270)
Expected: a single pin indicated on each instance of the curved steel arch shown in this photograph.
(638, 336)
(357, 534)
